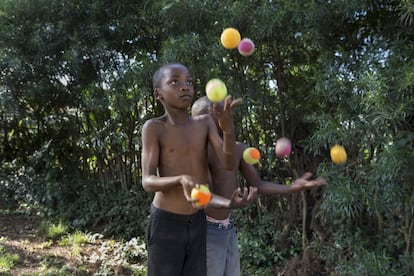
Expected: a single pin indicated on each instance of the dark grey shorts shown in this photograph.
(176, 243)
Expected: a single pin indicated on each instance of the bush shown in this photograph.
(259, 241)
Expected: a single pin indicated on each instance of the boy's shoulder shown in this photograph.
(154, 120)
(202, 120)
(201, 117)
(153, 123)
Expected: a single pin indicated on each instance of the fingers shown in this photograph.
(249, 194)
(196, 206)
(245, 193)
(227, 101)
(314, 183)
(320, 181)
(230, 103)
(188, 183)
(252, 194)
(236, 102)
(306, 175)
(188, 196)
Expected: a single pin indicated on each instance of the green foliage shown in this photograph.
(75, 90)
(53, 231)
(262, 239)
(78, 204)
(7, 260)
(361, 261)
(75, 239)
(256, 247)
(370, 113)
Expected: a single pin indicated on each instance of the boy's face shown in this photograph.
(176, 87)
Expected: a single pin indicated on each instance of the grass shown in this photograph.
(53, 231)
(7, 260)
(76, 238)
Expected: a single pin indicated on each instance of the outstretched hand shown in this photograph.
(243, 198)
(304, 183)
(224, 112)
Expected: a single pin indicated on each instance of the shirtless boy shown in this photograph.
(174, 160)
(222, 247)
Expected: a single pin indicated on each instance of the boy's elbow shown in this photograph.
(146, 188)
(146, 185)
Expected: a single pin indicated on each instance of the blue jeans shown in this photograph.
(223, 258)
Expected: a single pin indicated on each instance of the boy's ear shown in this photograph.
(157, 93)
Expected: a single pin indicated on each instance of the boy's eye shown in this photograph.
(177, 82)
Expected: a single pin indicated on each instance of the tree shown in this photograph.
(367, 106)
(75, 84)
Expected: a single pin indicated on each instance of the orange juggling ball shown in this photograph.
(201, 194)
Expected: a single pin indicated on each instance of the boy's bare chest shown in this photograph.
(183, 140)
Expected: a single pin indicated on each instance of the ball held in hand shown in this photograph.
(230, 38)
(201, 194)
(216, 90)
(251, 155)
(283, 147)
(246, 47)
(338, 154)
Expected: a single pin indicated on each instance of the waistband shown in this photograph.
(177, 217)
(221, 223)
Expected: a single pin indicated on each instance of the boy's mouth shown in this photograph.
(186, 97)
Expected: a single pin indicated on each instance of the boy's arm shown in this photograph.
(224, 115)
(151, 182)
(252, 177)
(301, 183)
(238, 200)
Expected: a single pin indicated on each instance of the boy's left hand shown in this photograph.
(241, 199)
(305, 183)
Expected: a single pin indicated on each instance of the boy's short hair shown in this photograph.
(159, 74)
(200, 106)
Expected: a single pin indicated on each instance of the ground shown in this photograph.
(39, 256)
(19, 234)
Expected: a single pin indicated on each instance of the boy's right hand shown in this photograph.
(188, 183)
(224, 113)
(241, 199)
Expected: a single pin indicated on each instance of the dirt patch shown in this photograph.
(19, 235)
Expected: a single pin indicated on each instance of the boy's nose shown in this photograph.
(185, 87)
